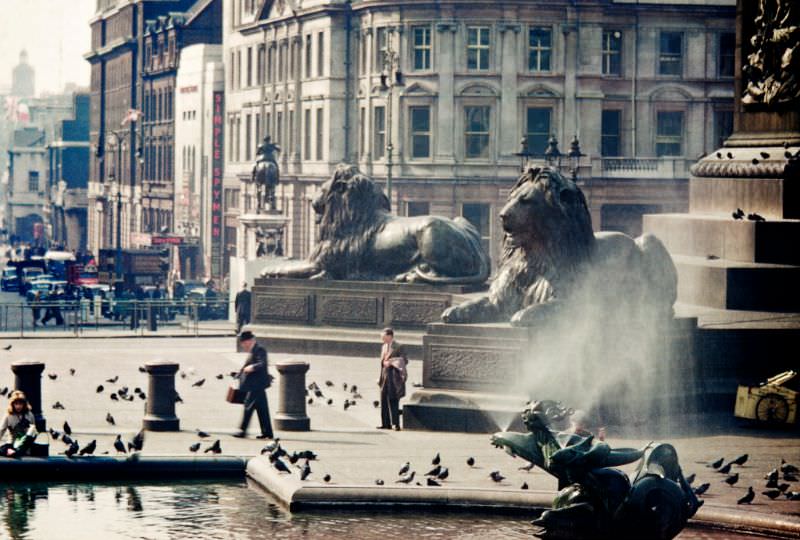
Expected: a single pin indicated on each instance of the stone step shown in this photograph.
(727, 284)
(703, 235)
(329, 340)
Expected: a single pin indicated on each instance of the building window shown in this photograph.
(290, 133)
(670, 53)
(538, 129)
(727, 54)
(379, 129)
(361, 130)
(420, 132)
(260, 65)
(422, 47)
(418, 208)
(610, 133)
(723, 126)
(381, 44)
(258, 135)
(279, 127)
(247, 137)
(540, 48)
(270, 64)
(33, 180)
(612, 52)
(320, 54)
(308, 56)
(669, 133)
(476, 133)
(249, 66)
(320, 135)
(479, 215)
(238, 69)
(307, 134)
(478, 48)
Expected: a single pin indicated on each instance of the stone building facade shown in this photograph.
(645, 88)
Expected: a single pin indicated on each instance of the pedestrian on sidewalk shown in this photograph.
(254, 379)
(392, 381)
(242, 306)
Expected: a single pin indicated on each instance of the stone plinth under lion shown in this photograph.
(594, 313)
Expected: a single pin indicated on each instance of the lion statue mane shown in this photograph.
(552, 259)
(361, 239)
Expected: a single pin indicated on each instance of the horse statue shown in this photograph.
(265, 174)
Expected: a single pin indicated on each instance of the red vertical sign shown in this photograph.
(217, 152)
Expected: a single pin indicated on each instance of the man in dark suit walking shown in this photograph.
(242, 306)
(254, 379)
(392, 380)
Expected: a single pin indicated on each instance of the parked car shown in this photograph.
(208, 305)
(44, 285)
(29, 274)
(9, 280)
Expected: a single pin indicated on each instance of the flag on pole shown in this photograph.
(131, 116)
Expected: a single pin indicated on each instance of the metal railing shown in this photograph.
(138, 317)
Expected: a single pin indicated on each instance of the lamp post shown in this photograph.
(524, 154)
(116, 141)
(390, 77)
(574, 157)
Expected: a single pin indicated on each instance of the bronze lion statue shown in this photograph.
(552, 258)
(361, 239)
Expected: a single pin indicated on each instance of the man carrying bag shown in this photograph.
(254, 380)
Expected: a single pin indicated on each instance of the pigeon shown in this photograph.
(772, 493)
(435, 471)
(755, 161)
(195, 447)
(344, 387)
(717, 464)
(220, 376)
(788, 467)
(764, 155)
(57, 405)
(305, 471)
(119, 446)
(89, 448)
(4, 391)
(183, 374)
(732, 479)
(99, 388)
(772, 483)
(789, 477)
(66, 439)
(137, 443)
(527, 467)
(277, 453)
(702, 488)
(729, 155)
(7, 348)
(113, 379)
(354, 389)
(346, 404)
(113, 396)
(496, 476)
(318, 393)
(142, 369)
(178, 398)
(404, 469)
(72, 371)
(310, 401)
(216, 448)
(54, 434)
(772, 476)
(741, 460)
(67, 429)
(755, 217)
(202, 434)
(782, 487)
(327, 478)
(280, 465)
(52, 376)
(307, 454)
(471, 461)
(378, 482)
(110, 419)
(330, 401)
(376, 403)
(444, 474)
(328, 383)
(199, 383)
(690, 479)
(433, 483)
(72, 450)
(436, 459)
(524, 485)
(748, 497)
(792, 495)
(271, 447)
(407, 479)
(725, 469)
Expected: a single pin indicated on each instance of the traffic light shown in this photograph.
(163, 260)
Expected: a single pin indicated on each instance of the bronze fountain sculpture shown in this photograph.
(595, 499)
(361, 240)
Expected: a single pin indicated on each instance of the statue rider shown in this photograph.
(266, 172)
(266, 151)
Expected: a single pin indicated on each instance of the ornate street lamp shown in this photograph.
(391, 76)
(524, 154)
(574, 157)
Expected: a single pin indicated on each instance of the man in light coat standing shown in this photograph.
(392, 380)
(254, 379)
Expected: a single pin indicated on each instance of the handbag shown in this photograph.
(235, 395)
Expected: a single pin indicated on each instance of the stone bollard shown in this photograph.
(28, 378)
(160, 409)
(291, 415)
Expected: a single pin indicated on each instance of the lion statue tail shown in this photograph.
(426, 274)
(659, 271)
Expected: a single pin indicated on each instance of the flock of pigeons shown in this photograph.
(775, 487)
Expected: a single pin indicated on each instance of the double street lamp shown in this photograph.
(553, 156)
(390, 77)
(116, 141)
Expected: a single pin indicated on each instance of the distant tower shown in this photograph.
(22, 80)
